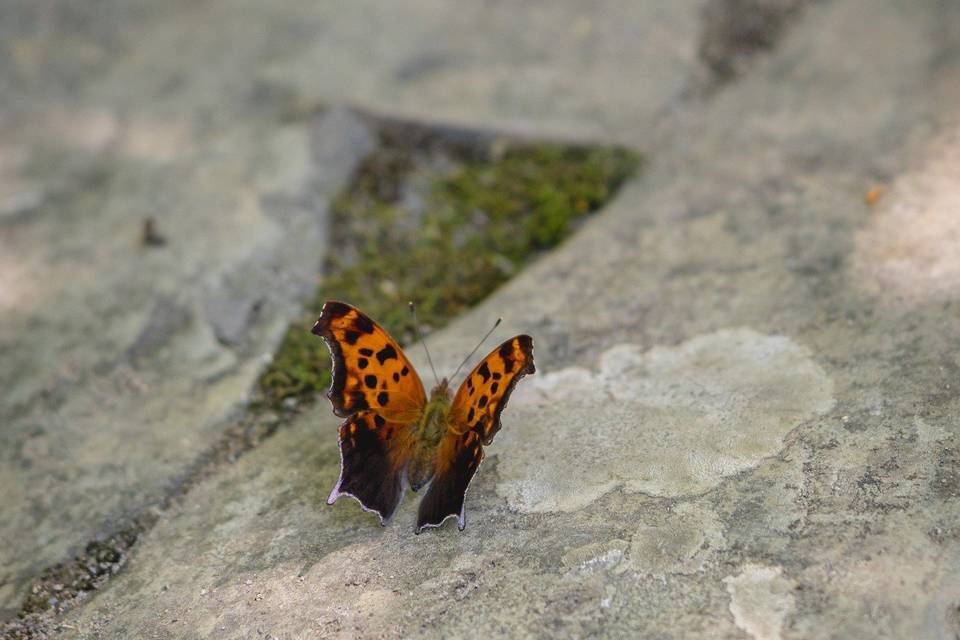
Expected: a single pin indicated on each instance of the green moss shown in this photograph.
(294, 370)
(446, 239)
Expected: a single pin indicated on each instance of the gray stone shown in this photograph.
(230, 313)
(164, 322)
(734, 31)
(123, 362)
(740, 284)
(708, 409)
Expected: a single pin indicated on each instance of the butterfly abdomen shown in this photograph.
(428, 433)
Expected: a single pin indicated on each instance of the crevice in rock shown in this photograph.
(733, 32)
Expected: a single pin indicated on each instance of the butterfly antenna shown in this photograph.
(482, 340)
(416, 329)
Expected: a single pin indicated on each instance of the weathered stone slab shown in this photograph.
(123, 360)
(730, 286)
(742, 283)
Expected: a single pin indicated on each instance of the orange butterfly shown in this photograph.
(393, 436)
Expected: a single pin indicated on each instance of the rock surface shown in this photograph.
(141, 287)
(694, 414)
(770, 363)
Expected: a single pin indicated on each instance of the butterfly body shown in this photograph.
(428, 434)
(393, 435)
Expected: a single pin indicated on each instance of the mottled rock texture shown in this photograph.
(780, 460)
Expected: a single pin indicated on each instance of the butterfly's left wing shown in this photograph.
(474, 420)
(376, 389)
(370, 370)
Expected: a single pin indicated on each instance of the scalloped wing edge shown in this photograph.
(462, 516)
(338, 365)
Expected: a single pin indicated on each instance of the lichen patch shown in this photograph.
(760, 600)
(671, 421)
(679, 541)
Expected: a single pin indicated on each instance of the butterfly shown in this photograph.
(394, 436)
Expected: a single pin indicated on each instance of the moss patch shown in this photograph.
(444, 227)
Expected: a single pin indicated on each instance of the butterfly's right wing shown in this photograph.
(458, 459)
(380, 394)
(484, 393)
(474, 420)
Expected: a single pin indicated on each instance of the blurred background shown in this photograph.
(182, 185)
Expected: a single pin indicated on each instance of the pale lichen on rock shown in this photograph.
(678, 540)
(760, 600)
(669, 422)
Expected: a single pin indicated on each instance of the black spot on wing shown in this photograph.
(364, 351)
(484, 372)
(387, 353)
(363, 323)
(383, 398)
(377, 418)
(351, 337)
(396, 377)
(370, 380)
(482, 402)
(362, 362)
(357, 401)
(494, 387)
